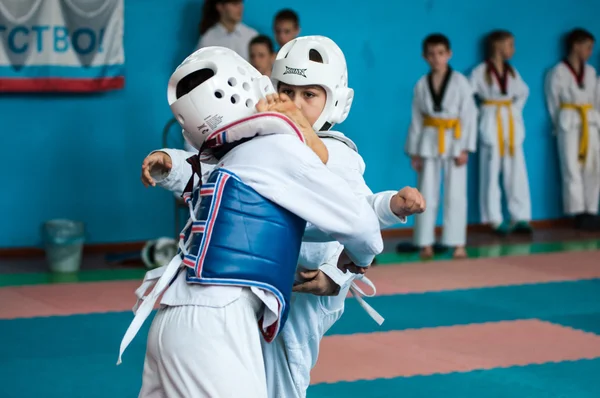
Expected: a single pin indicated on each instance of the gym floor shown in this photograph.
(519, 318)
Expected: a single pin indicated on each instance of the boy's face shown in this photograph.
(285, 31)
(261, 58)
(231, 11)
(584, 49)
(437, 56)
(309, 99)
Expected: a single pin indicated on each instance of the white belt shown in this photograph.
(160, 278)
(357, 292)
(163, 276)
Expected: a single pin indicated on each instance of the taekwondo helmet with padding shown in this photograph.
(212, 88)
(293, 66)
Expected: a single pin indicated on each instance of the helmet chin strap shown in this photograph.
(194, 161)
(326, 126)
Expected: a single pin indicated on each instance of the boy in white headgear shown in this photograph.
(239, 250)
(312, 72)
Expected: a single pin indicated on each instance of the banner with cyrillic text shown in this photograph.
(61, 45)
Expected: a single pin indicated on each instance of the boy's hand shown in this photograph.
(156, 162)
(462, 159)
(407, 201)
(345, 264)
(317, 283)
(284, 105)
(281, 103)
(416, 163)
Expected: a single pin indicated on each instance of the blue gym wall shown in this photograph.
(79, 156)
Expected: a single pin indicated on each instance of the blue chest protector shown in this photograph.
(243, 239)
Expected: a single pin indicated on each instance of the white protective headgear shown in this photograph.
(293, 66)
(229, 95)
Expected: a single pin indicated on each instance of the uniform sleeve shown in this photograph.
(349, 165)
(468, 118)
(330, 268)
(416, 125)
(597, 95)
(296, 179)
(180, 173)
(552, 90)
(476, 80)
(522, 94)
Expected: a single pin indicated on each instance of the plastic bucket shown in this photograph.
(63, 241)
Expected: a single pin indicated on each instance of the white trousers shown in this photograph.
(580, 182)
(204, 351)
(455, 202)
(514, 181)
(290, 358)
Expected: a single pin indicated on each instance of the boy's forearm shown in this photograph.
(179, 174)
(316, 144)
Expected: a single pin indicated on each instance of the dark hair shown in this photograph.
(210, 15)
(192, 81)
(262, 39)
(494, 37)
(490, 46)
(577, 36)
(436, 39)
(287, 15)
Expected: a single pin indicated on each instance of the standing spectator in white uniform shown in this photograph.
(221, 25)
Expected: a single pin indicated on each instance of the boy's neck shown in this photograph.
(575, 61)
(440, 72)
(498, 62)
(228, 25)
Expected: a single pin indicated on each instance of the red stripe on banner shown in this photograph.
(61, 85)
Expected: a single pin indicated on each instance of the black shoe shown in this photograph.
(523, 228)
(438, 248)
(503, 229)
(579, 220)
(406, 247)
(594, 222)
(587, 222)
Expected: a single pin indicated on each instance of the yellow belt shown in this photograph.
(511, 125)
(585, 127)
(442, 125)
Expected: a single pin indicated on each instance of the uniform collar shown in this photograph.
(236, 30)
